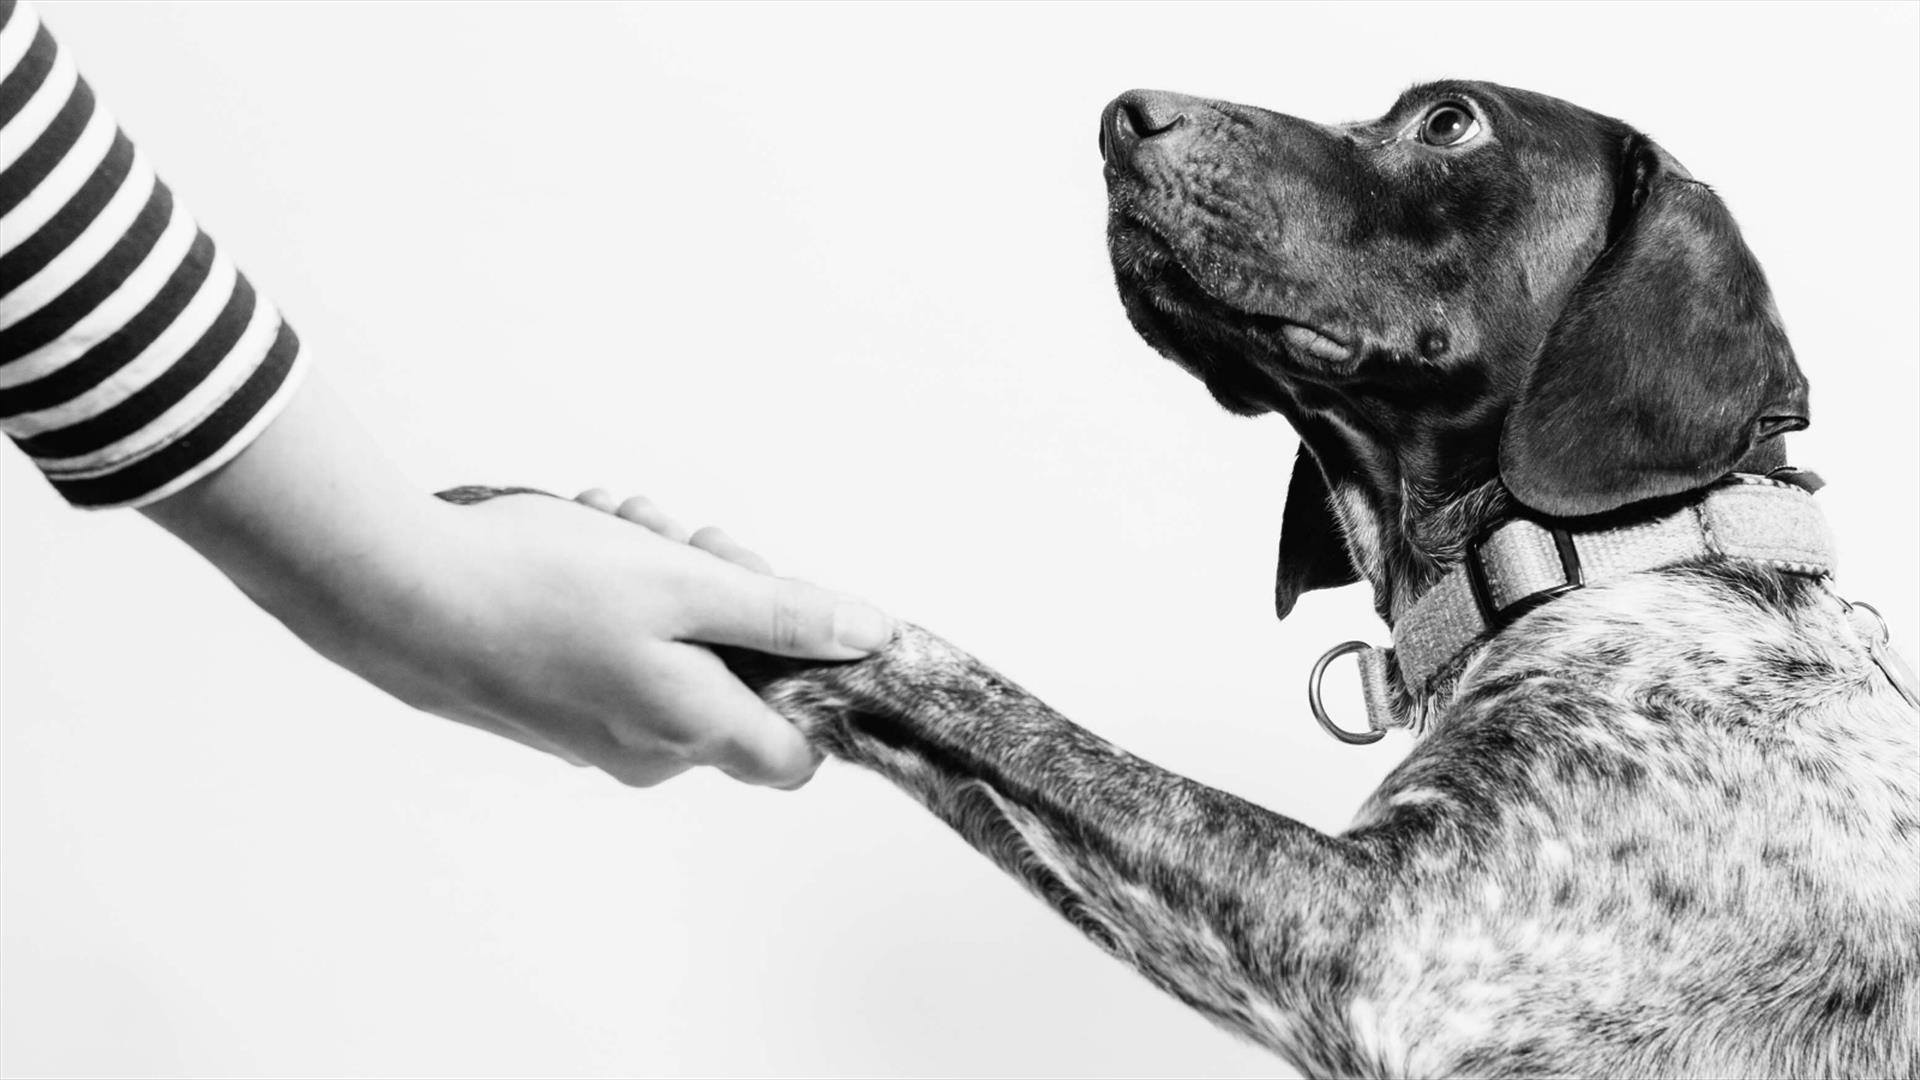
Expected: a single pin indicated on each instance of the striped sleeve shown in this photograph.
(134, 357)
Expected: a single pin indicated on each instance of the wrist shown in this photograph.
(320, 530)
(405, 612)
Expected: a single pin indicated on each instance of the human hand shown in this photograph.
(547, 622)
(642, 511)
(587, 636)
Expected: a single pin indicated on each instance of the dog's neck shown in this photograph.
(1404, 539)
(1405, 510)
(1409, 521)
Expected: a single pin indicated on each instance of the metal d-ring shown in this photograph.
(1352, 738)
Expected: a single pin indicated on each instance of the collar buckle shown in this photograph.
(1498, 618)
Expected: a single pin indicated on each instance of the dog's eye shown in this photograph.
(1448, 124)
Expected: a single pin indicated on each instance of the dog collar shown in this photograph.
(1520, 564)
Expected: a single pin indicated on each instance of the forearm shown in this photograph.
(315, 525)
(1153, 867)
(140, 368)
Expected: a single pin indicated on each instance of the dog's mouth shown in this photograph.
(1179, 315)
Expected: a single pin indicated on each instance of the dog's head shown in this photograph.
(1484, 294)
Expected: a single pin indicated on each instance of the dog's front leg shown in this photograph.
(1256, 920)
(1244, 914)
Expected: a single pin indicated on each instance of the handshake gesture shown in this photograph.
(557, 624)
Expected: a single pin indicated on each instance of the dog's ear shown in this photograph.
(1313, 551)
(1668, 363)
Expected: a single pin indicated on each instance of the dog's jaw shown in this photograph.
(1244, 358)
(1405, 506)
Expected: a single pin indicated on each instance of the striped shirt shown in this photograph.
(134, 358)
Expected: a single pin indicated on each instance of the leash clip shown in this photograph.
(1375, 729)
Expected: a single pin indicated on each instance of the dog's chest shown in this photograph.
(1674, 808)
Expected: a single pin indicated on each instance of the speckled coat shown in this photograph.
(1664, 826)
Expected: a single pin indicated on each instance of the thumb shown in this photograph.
(735, 606)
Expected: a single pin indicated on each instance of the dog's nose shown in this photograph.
(1136, 116)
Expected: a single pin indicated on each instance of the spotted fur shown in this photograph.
(1665, 826)
(1652, 831)
(1660, 827)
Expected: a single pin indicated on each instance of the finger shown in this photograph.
(599, 498)
(644, 774)
(744, 738)
(714, 541)
(769, 752)
(725, 604)
(641, 511)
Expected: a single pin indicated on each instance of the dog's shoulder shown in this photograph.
(1667, 681)
(1651, 793)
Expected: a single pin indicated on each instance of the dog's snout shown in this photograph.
(1136, 116)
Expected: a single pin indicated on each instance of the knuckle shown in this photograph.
(644, 746)
(703, 746)
(642, 771)
(786, 627)
(637, 778)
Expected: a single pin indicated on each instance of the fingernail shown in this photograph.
(861, 627)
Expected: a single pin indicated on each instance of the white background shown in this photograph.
(835, 278)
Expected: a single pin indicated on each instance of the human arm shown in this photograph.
(139, 367)
(534, 618)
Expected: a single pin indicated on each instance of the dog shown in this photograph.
(1663, 814)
